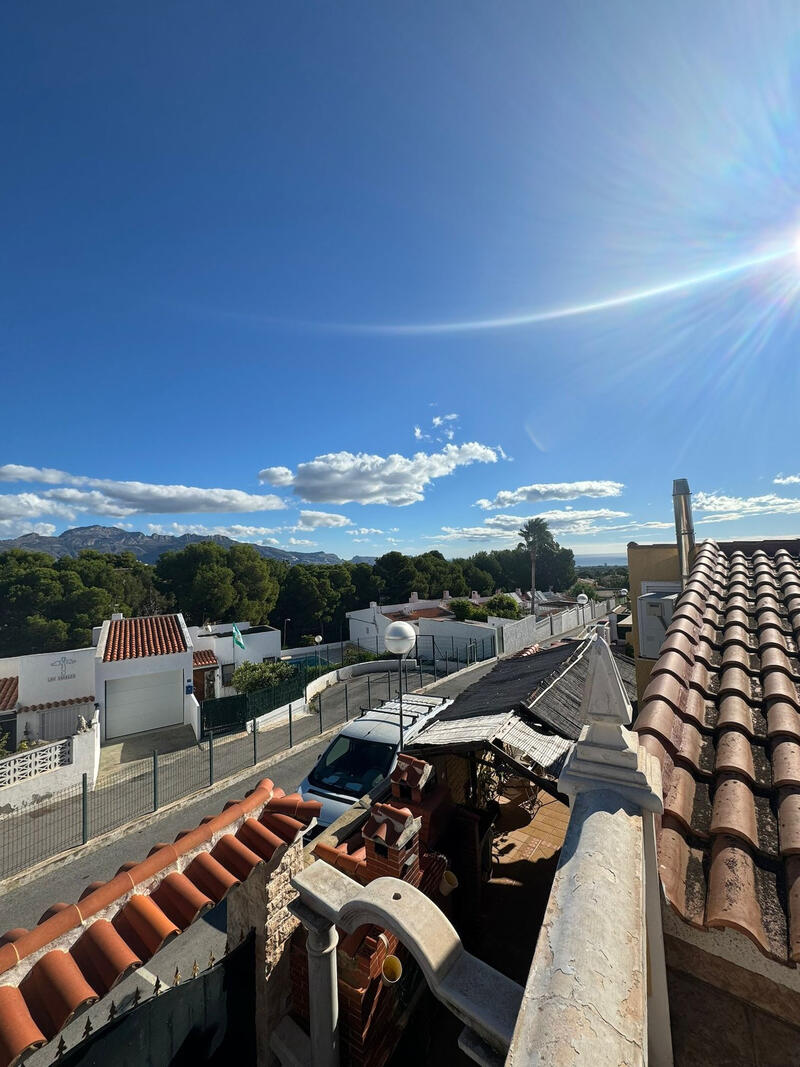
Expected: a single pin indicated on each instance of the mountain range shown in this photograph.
(148, 547)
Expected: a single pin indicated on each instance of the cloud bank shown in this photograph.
(509, 498)
(361, 478)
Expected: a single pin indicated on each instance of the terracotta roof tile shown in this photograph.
(722, 715)
(204, 657)
(151, 635)
(73, 702)
(143, 907)
(19, 1034)
(9, 691)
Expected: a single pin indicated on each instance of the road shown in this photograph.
(24, 906)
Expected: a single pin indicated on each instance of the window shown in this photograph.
(227, 673)
(353, 766)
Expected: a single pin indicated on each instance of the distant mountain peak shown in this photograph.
(146, 547)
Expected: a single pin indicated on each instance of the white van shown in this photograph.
(363, 754)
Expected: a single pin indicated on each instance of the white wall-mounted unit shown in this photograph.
(654, 612)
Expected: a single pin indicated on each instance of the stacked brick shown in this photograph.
(395, 841)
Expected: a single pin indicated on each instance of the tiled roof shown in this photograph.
(8, 693)
(722, 714)
(421, 613)
(59, 703)
(204, 657)
(152, 635)
(117, 926)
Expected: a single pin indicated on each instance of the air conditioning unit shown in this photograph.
(655, 614)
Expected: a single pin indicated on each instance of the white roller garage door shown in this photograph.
(143, 702)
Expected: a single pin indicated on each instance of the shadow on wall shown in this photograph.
(210, 1019)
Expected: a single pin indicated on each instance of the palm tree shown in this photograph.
(535, 534)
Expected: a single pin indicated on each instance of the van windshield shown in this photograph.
(352, 766)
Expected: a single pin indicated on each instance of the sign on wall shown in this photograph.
(62, 669)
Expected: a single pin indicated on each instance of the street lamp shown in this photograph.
(624, 594)
(399, 639)
(284, 631)
(582, 600)
(318, 642)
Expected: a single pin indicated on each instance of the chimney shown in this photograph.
(684, 527)
(117, 616)
(414, 598)
(446, 594)
(474, 595)
(391, 840)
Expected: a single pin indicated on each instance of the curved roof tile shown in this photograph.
(722, 714)
(119, 924)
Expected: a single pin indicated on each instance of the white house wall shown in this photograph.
(128, 668)
(453, 637)
(52, 676)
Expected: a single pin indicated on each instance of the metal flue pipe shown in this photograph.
(684, 527)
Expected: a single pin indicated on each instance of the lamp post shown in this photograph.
(623, 594)
(582, 600)
(318, 642)
(284, 631)
(399, 639)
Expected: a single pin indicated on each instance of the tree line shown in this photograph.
(49, 604)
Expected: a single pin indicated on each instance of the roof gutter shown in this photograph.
(684, 527)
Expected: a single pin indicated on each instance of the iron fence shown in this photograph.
(228, 714)
(61, 821)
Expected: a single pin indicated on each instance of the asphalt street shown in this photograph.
(25, 905)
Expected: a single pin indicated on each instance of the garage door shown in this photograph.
(144, 702)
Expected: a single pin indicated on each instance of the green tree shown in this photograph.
(211, 595)
(583, 587)
(397, 576)
(46, 635)
(302, 601)
(535, 535)
(254, 582)
(502, 606)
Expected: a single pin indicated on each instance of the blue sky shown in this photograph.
(287, 271)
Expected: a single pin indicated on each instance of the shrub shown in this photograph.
(249, 677)
(502, 606)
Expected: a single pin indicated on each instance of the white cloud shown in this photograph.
(345, 477)
(10, 528)
(13, 472)
(130, 498)
(298, 542)
(418, 434)
(257, 534)
(439, 420)
(278, 476)
(364, 531)
(723, 508)
(509, 498)
(314, 520)
(570, 521)
(31, 506)
(787, 479)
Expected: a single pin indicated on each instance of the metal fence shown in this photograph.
(64, 820)
(227, 714)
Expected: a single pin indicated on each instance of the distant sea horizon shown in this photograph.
(599, 561)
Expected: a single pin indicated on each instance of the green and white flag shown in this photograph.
(237, 637)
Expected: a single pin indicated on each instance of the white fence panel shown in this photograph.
(35, 761)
